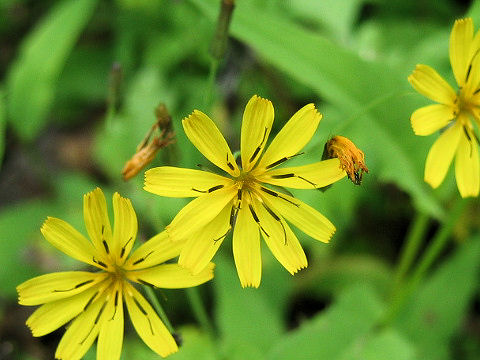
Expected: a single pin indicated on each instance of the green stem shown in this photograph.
(414, 240)
(156, 304)
(439, 241)
(437, 245)
(212, 75)
(199, 310)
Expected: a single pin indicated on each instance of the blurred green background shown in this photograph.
(61, 136)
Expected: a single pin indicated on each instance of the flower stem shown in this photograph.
(439, 241)
(199, 310)
(415, 237)
(218, 46)
(158, 308)
(437, 244)
(211, 83)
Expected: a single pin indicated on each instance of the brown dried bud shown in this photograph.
(164, 120)
(147, 149)
(145, 155)
(352, 159)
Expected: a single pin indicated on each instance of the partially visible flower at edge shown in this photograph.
(94, 300)
(453, 113)
(247, 202)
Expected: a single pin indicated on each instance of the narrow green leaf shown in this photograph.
(3, 120)
(436, 311)
(373, 93)
(247, 318)
(32, 78)
(331, 333)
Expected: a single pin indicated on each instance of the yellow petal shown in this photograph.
(280, 239)
(97, 222)
(431, 118)
(83, 331)
(125, 227)
(179, 182)
(256, 125)
(441, 155)
(296, 133)
(471, 87)
(459, 50)
(199, 212)
(310, 176)
(157, 250)
(202, 246)
(246, 248)
(56, 286)
(52, 315)
(147, 323)
(467, 170)
(110, 337)
(171, 276)
(206, 137)
(68, 240)
(428, 83)
(304, 217)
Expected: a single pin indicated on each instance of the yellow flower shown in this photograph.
(94, 300)
(244, 202)
(453, 113)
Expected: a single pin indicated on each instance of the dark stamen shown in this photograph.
(255, 217)
(76, 286)
(98, 262)
(213, 188)
(289, 175)
(142, 310)
(230, 165)
(257, 150)
(105, 245)
(143, 258)
(95, 323)
(277, 218)
(283, 176)
(115, 303)
(145, 282)
(282, 160)
(122, 252)
(90, 301)
(273, 193)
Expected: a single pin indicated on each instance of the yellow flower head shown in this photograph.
(453, 113)
(243, 201)
(94, 300)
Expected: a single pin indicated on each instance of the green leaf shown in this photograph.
(330, 333)
(32, 78)
(388, 344)
(343, 271)
(19, 225)
(373, 93)
(436, 311)
(3, 120)
(195, 345)
(248, 320)
(337, 16)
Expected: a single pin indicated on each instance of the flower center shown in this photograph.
(245, 180)
(117, 273)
